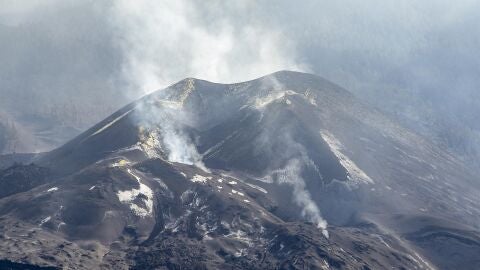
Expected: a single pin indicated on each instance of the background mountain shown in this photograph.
(447, 119)
(51, 86)
(286, 171)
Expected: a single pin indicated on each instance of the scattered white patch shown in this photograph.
(120, 163)
(92, 187)
(272, 97)
(291, 92)
(220, 180)
(150, 143)
(237, 192)
(110, 124)
(240, 252)
(354, 172)
(129, 148)
(225, 224)
(108, 214)
(183, 174)
(128, 196)
(241, 236)
(218, 145)
(219, 187)
(200, 179)
(170, 104)
(232, 182)
(325, 265)
(383, 241)
(45, 220)
(388, 187)
(247, 201)
(206, 237)
(60, 225)
(187, 90)
(257, 188)
(310, 97)
(52, 189)
(173, 223)
(288, 101)
(421, 259)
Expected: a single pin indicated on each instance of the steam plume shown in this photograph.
(165, 41)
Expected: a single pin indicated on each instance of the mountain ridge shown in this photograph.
(236, 173)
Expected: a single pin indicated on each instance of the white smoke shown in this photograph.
(296, 155)
(163, 132)
(291, 175)
(180, 147)
(178, 144)
(166, 41)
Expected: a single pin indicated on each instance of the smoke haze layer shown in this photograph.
(417, 61)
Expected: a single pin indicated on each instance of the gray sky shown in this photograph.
(57, 50)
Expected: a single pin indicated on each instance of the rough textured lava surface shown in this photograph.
(288, 171)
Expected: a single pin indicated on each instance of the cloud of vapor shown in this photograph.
(165, 122)
(291, 175)
(165, 41)
(416, 60)
(287, 166)
(181, 148)
(58, 71)
(179, 145)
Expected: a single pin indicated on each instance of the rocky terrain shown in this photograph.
(288, 171)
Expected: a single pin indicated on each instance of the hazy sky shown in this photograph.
(76, 61)
(66, 47)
